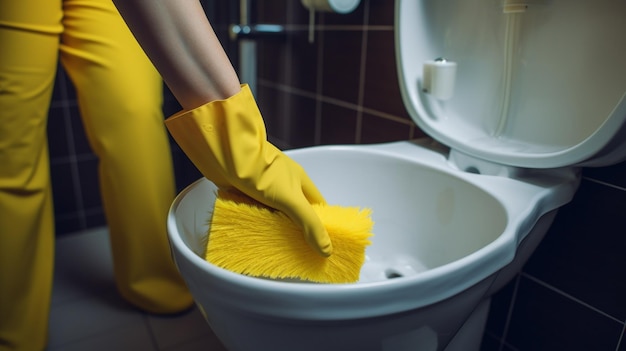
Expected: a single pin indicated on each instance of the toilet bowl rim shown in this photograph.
(344, 301)
(497, 255)
(382, 297)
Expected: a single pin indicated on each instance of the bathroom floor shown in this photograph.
(88, 314)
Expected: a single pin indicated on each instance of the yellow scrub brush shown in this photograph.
(249, 238)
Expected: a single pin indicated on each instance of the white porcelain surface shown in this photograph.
(442, 230)
(568, 79)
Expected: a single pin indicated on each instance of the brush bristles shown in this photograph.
(254, 240)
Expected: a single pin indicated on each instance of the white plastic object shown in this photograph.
(438, 78)
(338, 6)
(514, 6)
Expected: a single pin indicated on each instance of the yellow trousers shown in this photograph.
(119, 93)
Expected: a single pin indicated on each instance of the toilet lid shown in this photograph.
(538, 84)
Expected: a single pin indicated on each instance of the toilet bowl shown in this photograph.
(441, 236)
(456, 216)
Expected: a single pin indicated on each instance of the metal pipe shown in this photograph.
(255, 31)
(247, 50)
(246, 33)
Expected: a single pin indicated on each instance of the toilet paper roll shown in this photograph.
(339, 6)
(439, 78)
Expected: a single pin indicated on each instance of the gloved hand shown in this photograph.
(226, 141)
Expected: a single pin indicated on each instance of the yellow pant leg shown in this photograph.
(28, 61)
(120, 98)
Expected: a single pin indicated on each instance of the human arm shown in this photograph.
(179, 40)
(220, 129)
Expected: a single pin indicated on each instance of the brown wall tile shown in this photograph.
(382, 91)
(342, 64)
(338, 124)
(376, 129)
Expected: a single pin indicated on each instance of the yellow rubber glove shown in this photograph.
(227, 142)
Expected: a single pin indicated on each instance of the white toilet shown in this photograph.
(525, 97)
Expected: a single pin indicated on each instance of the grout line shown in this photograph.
(286, 121)
(509, 346)
(361, 94)
(412, 132)
(561, 292)
(84, 213)
(97, 230)
(65, 102)
(319, 83)
(67, 119)
(76, 158)
(604, 183)
(509, 315)
(151, 331)
(388, 116)
(621, 338)
(337, 102)
(322, 27)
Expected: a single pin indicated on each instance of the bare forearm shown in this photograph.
(181, 43)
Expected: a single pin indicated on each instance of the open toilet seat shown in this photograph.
(533, 86)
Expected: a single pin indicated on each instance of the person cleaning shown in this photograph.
(119, 95)
(220, 128)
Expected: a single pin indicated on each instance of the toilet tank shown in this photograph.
(537, 83)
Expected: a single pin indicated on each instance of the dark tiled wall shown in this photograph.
(343, 89)
(73, 166)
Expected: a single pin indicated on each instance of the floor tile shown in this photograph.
(83, 266)
(88, 313)
(133, 337)
(490, 343)
(583, 254)
(171, 331)
(89, 317)
(543, 319)
(499, 309)
(622, 341)
(202, 344)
